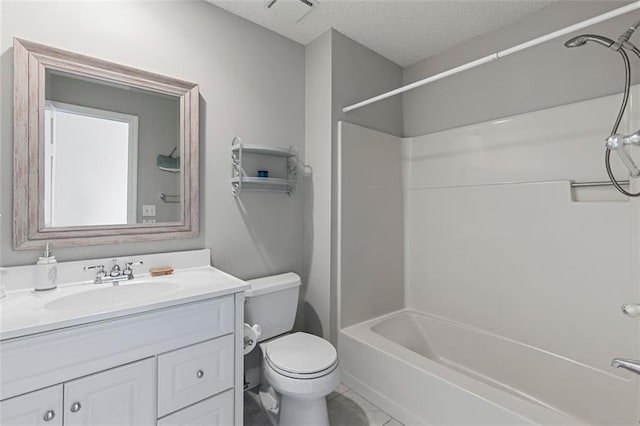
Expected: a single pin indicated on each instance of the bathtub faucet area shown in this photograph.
(628, 364)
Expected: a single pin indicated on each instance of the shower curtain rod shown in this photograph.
(501, 54)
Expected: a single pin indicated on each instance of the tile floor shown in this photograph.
(346, 408)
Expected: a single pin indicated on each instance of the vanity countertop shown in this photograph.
(25, 312)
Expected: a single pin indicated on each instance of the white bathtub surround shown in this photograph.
(521, 265)
(496, 238)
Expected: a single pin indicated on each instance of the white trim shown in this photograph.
(495, 56)
(49, 175)
(339, 232)
(132, 178)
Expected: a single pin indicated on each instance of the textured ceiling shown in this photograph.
(404, 31)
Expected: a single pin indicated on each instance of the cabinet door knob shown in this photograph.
(200, 374)
(75, 407)
(49, 415)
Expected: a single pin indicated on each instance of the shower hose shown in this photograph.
(623, 107)
(617, 46)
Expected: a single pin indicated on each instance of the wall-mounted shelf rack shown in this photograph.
(239, 179)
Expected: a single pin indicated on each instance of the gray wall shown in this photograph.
(359, 73)
(540, 77)
(158, 133)
(356, 73)
(251, 84)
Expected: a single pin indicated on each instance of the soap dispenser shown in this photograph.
(47, 270)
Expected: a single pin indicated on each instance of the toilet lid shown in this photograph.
(301, 353)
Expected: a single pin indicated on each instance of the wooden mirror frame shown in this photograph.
(30, 61)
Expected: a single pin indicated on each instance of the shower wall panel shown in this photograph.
(526, 262)
(370, 273)
(495, 237)
(560, 143)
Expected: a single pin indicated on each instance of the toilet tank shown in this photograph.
(272, 302)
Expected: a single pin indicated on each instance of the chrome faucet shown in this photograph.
(115, 270)
(100, 273)
(116, 275)
(631, 309)
(128, 268)
(628, 364)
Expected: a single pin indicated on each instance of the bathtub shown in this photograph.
(424, 369)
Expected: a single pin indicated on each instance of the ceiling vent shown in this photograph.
(291, 10)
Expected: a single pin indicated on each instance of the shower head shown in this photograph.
(581, 40)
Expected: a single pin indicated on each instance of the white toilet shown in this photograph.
(298, 370)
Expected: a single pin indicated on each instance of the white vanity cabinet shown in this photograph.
(43, 407)
(180, 364)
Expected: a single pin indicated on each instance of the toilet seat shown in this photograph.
(301, 356)
(313, 375)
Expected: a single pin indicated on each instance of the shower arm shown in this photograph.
(623, 40)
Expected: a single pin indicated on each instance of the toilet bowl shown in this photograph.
(298, 370)
(303, 370)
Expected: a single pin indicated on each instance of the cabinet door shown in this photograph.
(216, 411)
(43, 407)
(123, 396)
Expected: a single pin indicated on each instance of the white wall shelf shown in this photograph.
(262, 184)
(239, 179)
(274, 151)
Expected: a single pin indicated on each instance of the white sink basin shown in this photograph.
(110, 296)
(25, 312)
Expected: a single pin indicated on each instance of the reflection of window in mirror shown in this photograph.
(90, 167)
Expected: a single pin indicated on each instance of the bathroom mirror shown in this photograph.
(103, 153)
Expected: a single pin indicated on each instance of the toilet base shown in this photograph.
(296, 412)
(286, 411)
(270, 403)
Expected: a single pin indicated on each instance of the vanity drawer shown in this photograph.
(191, 374)
(214, 411)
